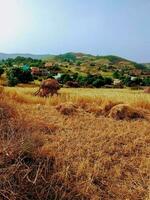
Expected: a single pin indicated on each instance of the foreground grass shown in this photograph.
(135, 98)
(45, 154)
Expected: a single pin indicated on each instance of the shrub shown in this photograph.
(18, 75)
(99, 82)
(146, 81)
(81, 80)
(116, 75)
(108, 81)
(64, 78)
(127, 81)
(12, 80)
(1, 70)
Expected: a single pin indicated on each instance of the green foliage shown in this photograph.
(139, 66)
(1, 70)
(64, 78)
(92, 64)
(67, 57)
(18, 75)
(19, 61)
(55, 68)
(78, 63)
(112, 59)
(99, 82)
(146, 81)
(69, 66)
(108, 80)
(12, 79)
(129, 82)
(116, 74)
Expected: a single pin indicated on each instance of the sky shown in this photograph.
(99, 27)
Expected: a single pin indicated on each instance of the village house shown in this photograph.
(48, 64)
(136, 72)
(36, 71)
(117, 83)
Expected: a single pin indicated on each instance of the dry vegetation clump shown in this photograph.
(67, 108)
(107, 106)
(147, 90)
(101, 108)
(117, 110)
(94, 109)
(43, 126)
(124, 111)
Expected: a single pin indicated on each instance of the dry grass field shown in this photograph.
(85, 144)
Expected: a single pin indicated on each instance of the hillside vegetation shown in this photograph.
(96, 64)
(85, 144)
(77, 70)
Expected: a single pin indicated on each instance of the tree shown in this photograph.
(90, 79)
(116, 75)
(146, 81)
(99, 83)
(127, 81)
(64, 78)
(108, 80)
(18, 75)
(1, 70)
(78, 63)
(82, 80)
(12, 80)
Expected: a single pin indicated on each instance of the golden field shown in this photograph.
(74, 146)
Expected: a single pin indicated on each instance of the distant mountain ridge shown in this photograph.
(78, 55)
(34, 56)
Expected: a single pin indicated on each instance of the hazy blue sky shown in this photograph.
(119, 27)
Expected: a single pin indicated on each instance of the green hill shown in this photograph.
(86, 63)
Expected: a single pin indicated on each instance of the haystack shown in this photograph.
(48, 87)
(124, 111)
(67, 108)
(147, 90)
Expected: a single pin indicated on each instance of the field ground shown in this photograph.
(124, 95)
(67, 147)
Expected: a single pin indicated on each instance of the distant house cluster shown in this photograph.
(36, 71)
(139, 72)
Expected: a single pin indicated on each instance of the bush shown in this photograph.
(82, 80)
(127, 81)
(18, 75)
(146, 81)
(108, 81)
(78, 63)
(1, 70)
(116, 75)
(99, 82)
(12, 80)
(64, 78)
